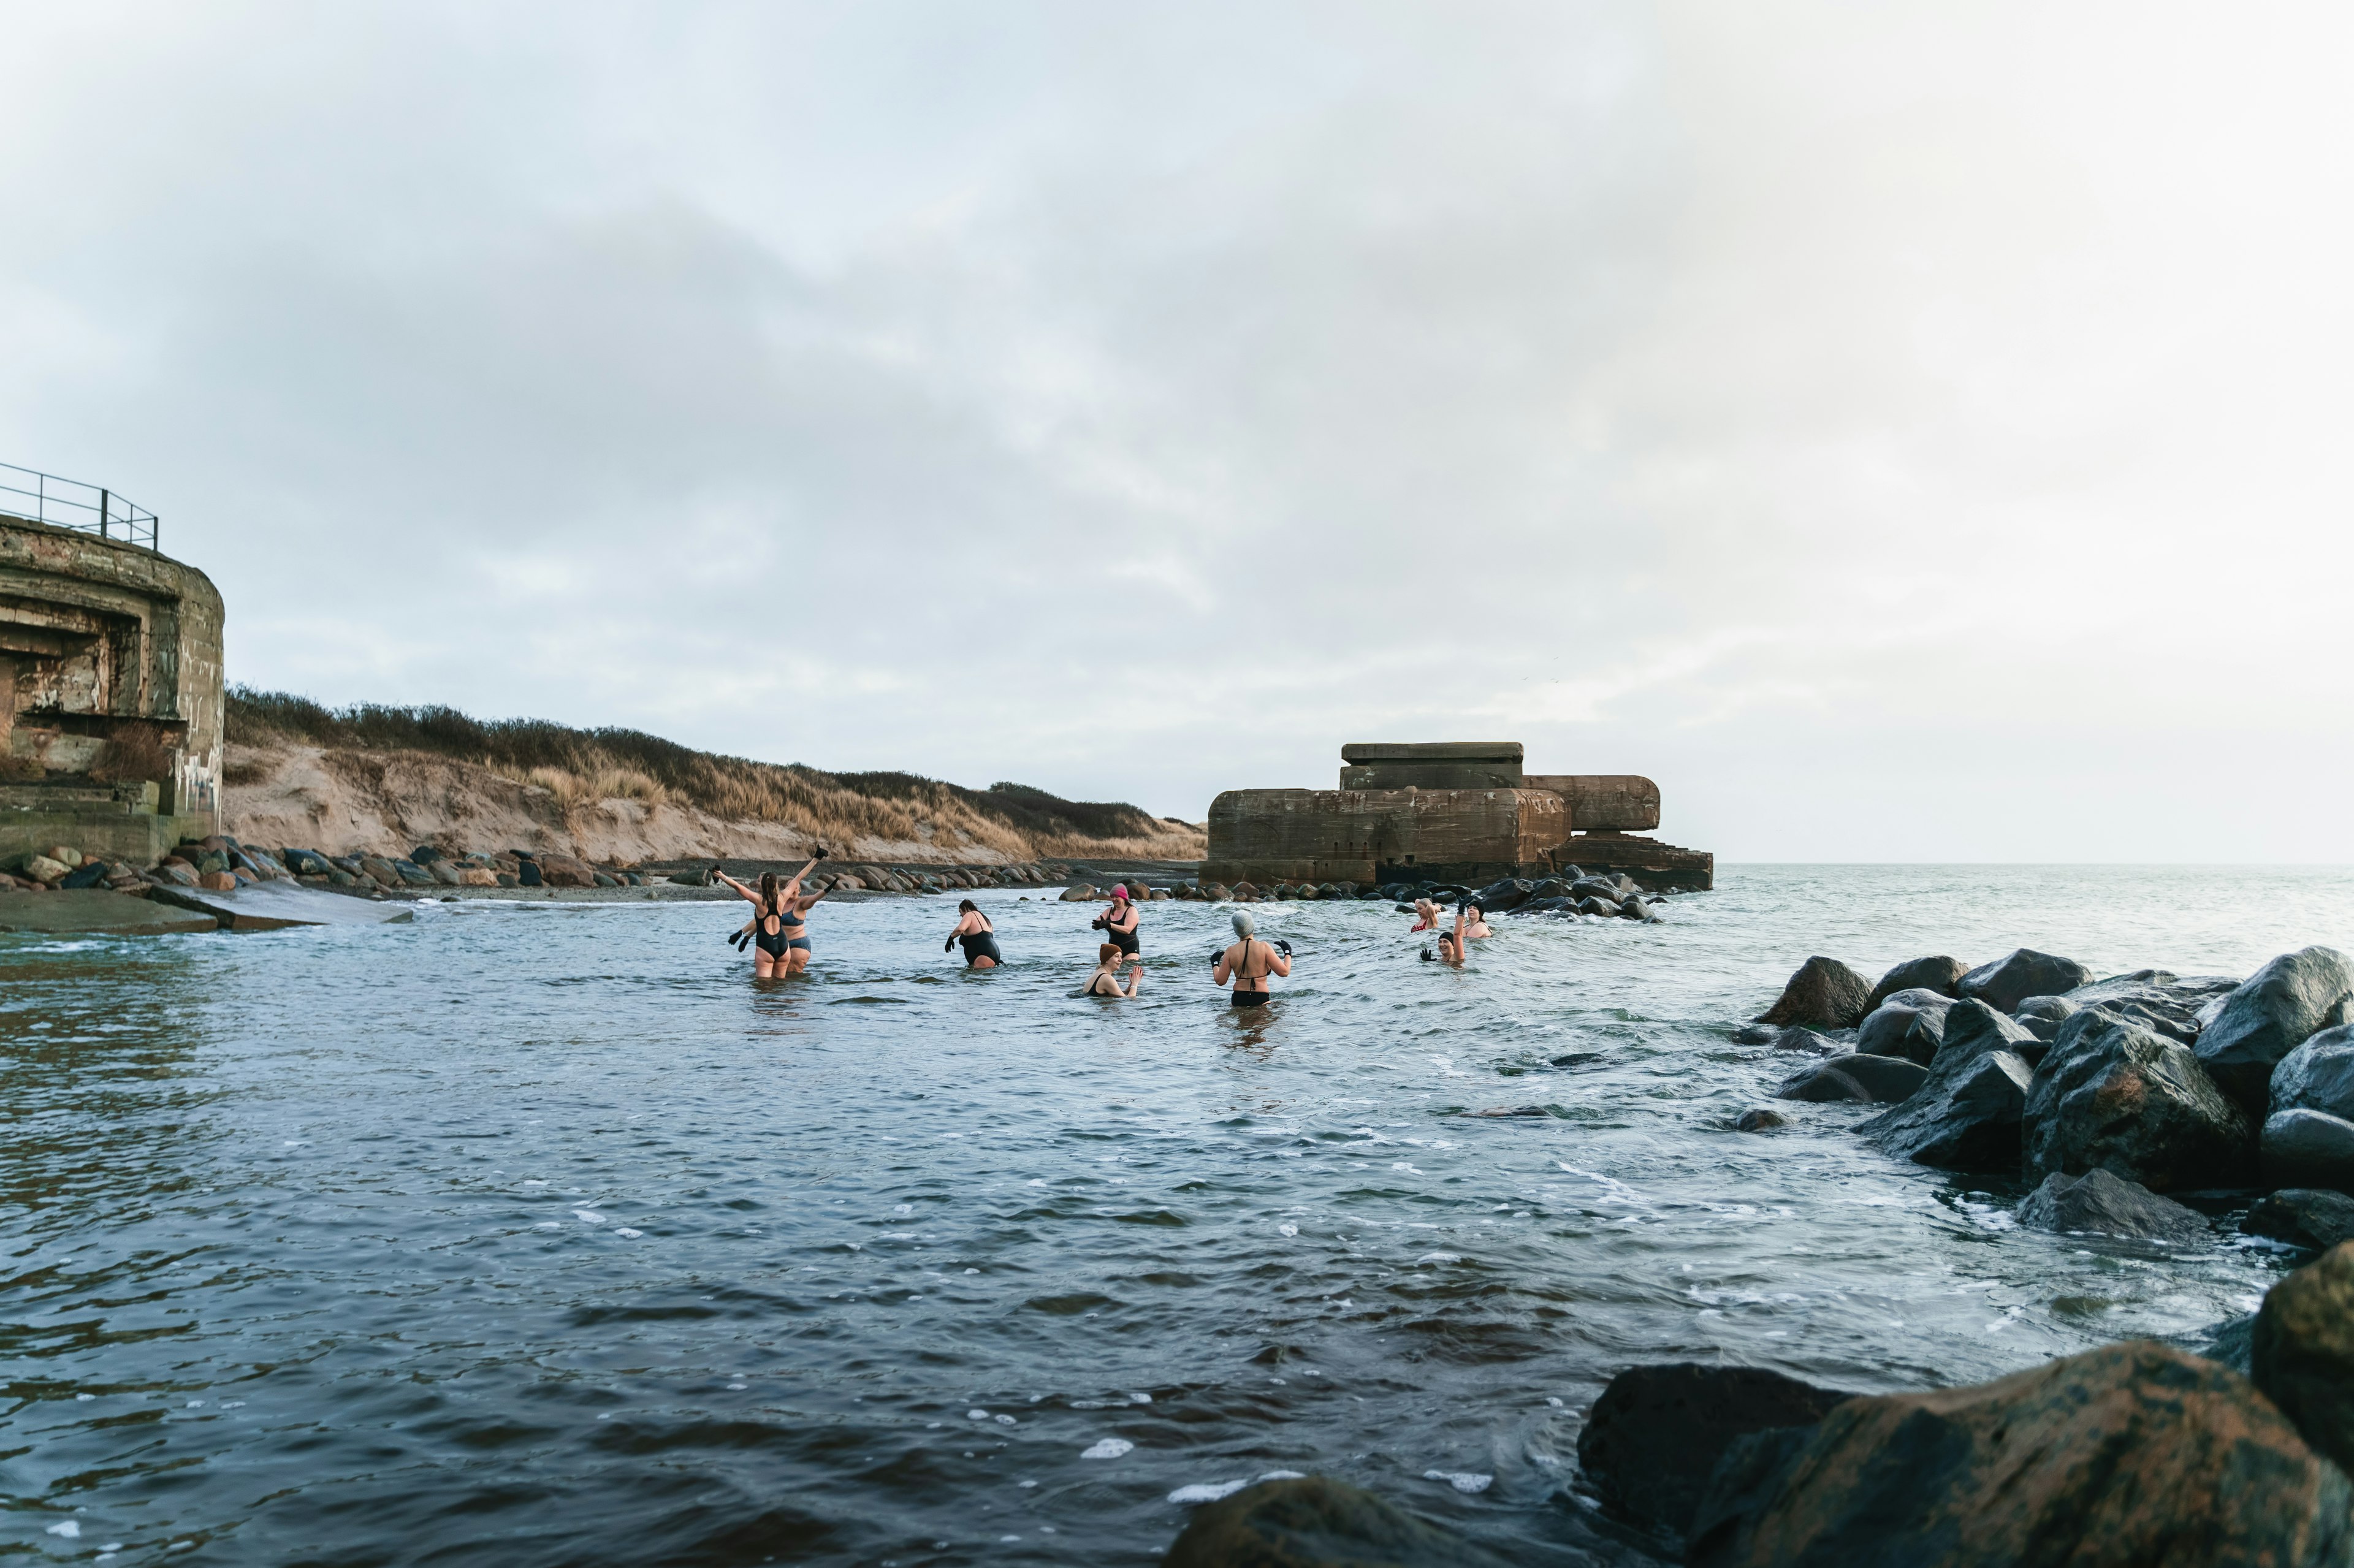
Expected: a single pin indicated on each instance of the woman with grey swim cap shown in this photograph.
(1248, 963)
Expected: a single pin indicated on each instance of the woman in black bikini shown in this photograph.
(1246, 964)
(780, 944)
(1119, 926)
(978, 937)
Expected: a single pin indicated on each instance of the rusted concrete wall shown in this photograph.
(1266, 836)
(1605, 803)
(109, 659)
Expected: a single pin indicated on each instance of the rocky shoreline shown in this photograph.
(2106, 1095)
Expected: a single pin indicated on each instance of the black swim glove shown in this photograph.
(1426, 958)
(1279, 942)
(947, 945)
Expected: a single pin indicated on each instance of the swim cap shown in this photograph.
(1119, 890)
(1242, 926)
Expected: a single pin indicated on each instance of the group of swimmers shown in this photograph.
(777, 933)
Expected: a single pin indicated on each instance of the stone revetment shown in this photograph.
(1450, 811)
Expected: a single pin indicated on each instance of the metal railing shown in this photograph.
(69, 504)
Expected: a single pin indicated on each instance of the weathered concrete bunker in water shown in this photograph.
(111, 686)
(1460, 811)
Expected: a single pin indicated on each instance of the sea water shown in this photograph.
(541, 1234)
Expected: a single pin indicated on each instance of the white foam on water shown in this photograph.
(535, 1184)
(79, 1398)
(69, 1529)
(1554, 1403)
(1025, 1486)
(1407, 1168)
(1207, 1491)
(548, 1225)
(1003, 1420)
(196, 1405)
(1108, 1448)
(1467, 1481)
(1287, 1230)
(589, 1217)
(1284, 1476)
(904, 1209)
(626, 1234)
(739, 1386)
(972, 1271)
(976, 1415)
(1135, 1398)
(1440, 1257)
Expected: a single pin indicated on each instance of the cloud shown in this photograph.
(1842, 415)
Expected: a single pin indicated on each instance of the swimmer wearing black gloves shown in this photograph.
(1249, 963)
(780, 934)
(978, 937)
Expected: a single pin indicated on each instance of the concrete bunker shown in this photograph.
(1454, 811)
(111, 694)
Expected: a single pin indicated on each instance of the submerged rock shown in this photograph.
(2005, 983)
(2308, 1149)
(2302, 1216)
(2129, 1456)
(1796, 1039)
(2275, 1010)
(2101, 1202)
(1656, 1433)
(1313, 1521)
(2115, 1096)
(1939, 975)
(1760, 1120)
(2302, 1354)
(1823, 994)
(1873, 1079)
(1507, 894)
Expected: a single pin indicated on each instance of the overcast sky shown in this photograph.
(1905, 432)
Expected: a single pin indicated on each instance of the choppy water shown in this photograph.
(537, 1235)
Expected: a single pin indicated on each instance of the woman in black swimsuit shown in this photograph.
(978, 937)
(1118, 927)
(780, 944)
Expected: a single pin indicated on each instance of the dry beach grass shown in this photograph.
(381, 778)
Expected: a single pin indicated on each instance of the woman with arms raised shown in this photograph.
(779, 935)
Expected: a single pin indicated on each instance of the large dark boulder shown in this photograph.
(1824, 994)
(2273, 1012)
(1656, 1431)
(2318, 1075)
(1510, 893)
(2303, 1351)
(1972, 1029)
(1966, 1113)
(2005, 983)
(2041, 1016)
(2302, 1216)
(2110, 1205)
(2161, 1003)
(1874, 1079)
(1313, 1521)
(1911, 1024)
(1796, 1039)
(1546, 906)
(2113, 1096)
(1940, 974)
(2307, 1149)
(2133, 1455)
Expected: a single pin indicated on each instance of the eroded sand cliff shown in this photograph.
(350, 801)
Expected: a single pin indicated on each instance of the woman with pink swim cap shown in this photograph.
(1118, 927)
